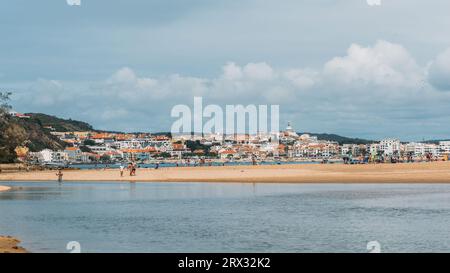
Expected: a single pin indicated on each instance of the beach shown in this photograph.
(4, 188)
(10, 245)
(426, 172)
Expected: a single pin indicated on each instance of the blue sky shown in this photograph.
(337, 66)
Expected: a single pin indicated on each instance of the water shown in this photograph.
(204, 217)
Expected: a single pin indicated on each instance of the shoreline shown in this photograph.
(10, 245)
(4, 188)
(429, 172)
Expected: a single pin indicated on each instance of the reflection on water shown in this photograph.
(206, 217)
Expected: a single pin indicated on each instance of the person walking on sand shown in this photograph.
(133, 169)
(59, 174)
(130, 169)
(121, 170)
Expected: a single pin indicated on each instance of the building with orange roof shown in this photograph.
(139, 154)
(199, 152)
(73, 153)
(226, 154)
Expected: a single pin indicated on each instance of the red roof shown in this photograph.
(135, 151)
(229, 152)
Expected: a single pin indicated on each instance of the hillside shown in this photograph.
(435, 141)
(59, 124)
(24, 132)
(33, 134)
(340, 139)
(36, 137)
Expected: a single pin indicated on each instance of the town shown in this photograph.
(91, 147)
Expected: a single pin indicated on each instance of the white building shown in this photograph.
(373, 148)
(59, 156)
(390, 146)
(127, 144)
(290, 131)
(444, 147)
(422, 149)
(347, 149)
(45, 156)
(101, 150)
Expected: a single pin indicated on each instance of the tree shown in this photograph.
(105, 158)
(89, 142)
(164, 155)
(4, 106)
(196, 145)
(85, 149)
(11, 135)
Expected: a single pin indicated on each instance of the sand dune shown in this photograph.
(435, 172)
(10, 245)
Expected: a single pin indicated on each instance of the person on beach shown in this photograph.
(59, 174)
(254, 160)
(130, 169)
(157, 166)
(121, 170)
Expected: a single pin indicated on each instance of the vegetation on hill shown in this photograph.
(340, 139)
(35, 136)
(15, 132)
(6, 153)
(59, 124)
(435, 141)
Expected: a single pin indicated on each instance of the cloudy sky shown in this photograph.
(336, 66)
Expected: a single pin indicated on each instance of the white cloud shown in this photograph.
(123, 75)
(114, 114)
(385, 64)
(439, 71)
(231, 71)
(126, 76)
(302, 78)
(47, 93)
(317, 100)
(258, 71)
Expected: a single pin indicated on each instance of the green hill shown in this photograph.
(35, 136)
(31, 132)
(24, 132)
(340, 139)
(59, 124)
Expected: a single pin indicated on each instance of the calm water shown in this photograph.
(202, 217)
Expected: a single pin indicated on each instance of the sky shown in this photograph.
(333, 66)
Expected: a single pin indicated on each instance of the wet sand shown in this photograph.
(10, 245)
(430, 172)
(4, 188)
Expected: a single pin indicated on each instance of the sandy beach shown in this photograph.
(10, 245)
(434, 172)
(4, 188)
